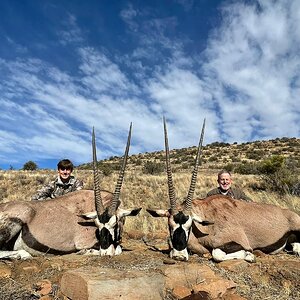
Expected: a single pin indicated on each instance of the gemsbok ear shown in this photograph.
(128, 212)
(89, 215)
(197, 219)
(156, 213)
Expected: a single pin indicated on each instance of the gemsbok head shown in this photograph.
(180, 217)
(110, 220)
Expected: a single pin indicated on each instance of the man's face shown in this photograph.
(224, 181)
(64, 174)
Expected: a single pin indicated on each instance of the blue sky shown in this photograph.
(66, 66)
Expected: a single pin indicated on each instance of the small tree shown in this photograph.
(153, 168)
(30, 166)
(278, 174)
(106, 169)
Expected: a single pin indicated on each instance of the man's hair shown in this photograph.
(65, 164)
(223, 172)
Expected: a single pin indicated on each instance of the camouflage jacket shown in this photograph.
(58, 188)
(235, 193)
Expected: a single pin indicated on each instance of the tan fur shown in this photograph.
(250, 225)
(56, 223)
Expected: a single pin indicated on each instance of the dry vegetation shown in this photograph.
(144, 190)
(215, 155)
(140, 190)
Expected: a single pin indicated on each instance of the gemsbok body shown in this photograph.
(60, 225)
(225, 227)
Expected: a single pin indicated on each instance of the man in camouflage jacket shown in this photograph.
(63, 184)
(225, 181)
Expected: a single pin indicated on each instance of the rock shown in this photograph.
(181, 291)
(236, 265)
(216, 287)
(189, 280)
(43, 287)
(91, 283)
(47, 297)
(5, 271)
(229, 296)
(31, 269)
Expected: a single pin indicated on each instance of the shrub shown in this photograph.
(153, 168)
(279, 174)
(30, 166)
(3, 193)
(271, 165)
(107, 169)
(229, 167)
(255, 154)
(246, 168)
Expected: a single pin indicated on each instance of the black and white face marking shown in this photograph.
(109, 234)
(110, 229)
(179, 227)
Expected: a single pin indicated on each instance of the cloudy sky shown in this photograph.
(66, 66)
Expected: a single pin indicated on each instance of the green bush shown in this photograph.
(246, 168)
(30, 166)
(278, 174)
(153, 168)
(107, 169)
(271, 165)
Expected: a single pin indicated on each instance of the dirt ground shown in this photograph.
(270, 277)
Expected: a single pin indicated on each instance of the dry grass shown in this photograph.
(139, 190)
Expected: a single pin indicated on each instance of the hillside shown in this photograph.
(215, 155)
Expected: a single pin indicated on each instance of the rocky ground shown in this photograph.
(270, 277)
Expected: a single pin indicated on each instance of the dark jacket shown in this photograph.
(235, 193)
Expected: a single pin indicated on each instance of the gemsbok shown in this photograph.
(224, 227)
(59, 226)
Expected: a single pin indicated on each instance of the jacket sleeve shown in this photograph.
(78, 185)
(44, 193)
(241, 195)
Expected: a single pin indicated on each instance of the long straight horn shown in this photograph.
(114, 204)
(172, 196)
(98, 200)
(188, 203)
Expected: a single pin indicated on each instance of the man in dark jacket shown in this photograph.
(225, 181)
(63, 184)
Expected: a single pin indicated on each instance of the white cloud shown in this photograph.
(71, 32)
(247, 88)
(254, 57)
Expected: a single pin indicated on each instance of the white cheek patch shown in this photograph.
(112, 222)
(188, 224)
(110, 225)
(173, 226)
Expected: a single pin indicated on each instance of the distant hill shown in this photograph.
(216, 155)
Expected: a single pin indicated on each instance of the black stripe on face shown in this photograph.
(180, 218)
(180, 236)
(179, 239)
(105, 238)
(32, 243)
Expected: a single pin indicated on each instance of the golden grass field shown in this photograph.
(140, 190)
(270, 278)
